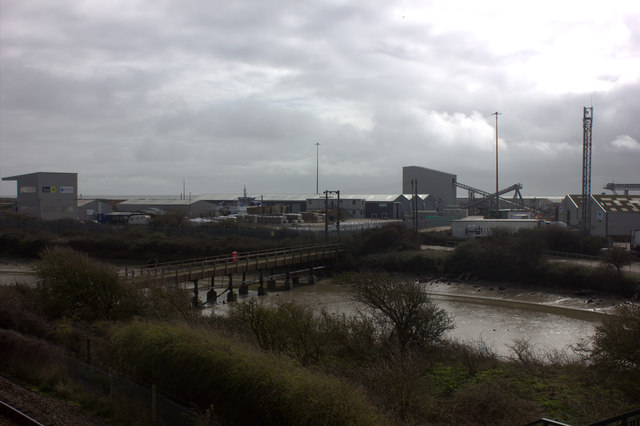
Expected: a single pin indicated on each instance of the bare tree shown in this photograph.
(616, 257)
(403, 310)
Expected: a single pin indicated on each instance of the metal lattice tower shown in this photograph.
(587, 121)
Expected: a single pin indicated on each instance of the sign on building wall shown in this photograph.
(27, 189)
(49, 189)
(66, 189)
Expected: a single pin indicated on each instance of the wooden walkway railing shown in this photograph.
(207, 267)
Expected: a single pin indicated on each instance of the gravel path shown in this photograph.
(44, 409)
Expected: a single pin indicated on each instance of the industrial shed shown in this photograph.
(441, 186)
(569, 210)
(615, 216)
(612, 216)
(352, 206)
(89, 210)
(187, 208)
(47, 195)
(426, 202)
(295, 203)
(385, 206)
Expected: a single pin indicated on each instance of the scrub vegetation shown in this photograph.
(286, 363)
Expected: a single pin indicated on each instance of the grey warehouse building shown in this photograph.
(441, 186)
(47, 195)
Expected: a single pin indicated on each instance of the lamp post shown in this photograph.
(317, 166)
(497, 196)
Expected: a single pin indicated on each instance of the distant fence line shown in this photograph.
(218, 230)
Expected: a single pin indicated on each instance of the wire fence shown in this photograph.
(146, 404)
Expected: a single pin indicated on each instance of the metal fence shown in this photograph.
(147, 404)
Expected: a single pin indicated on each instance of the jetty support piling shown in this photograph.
(212, 296)
(231, 296)
(196, 300)
(287, 281)
(244, 288)
(312, 279)
(271, 282)
(261, 289)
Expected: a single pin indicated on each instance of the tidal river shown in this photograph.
(497, 316)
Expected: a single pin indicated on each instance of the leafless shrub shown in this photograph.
(525, 353)
(404, 310)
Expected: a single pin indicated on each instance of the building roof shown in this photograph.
(16, 177)
(150, 202)
(430, 170)
(421, 196)
(618, 203)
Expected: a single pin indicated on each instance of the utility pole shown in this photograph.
(317, 166)
(326, 213)
(414, 204)
(497, 190)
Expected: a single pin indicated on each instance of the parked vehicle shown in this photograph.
(635, 241)
(139, 219)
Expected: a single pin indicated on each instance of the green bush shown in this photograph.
(242, 387)
(502, 256)
(301, 333)
(387, 238)
(288, 328)
(406, 262)
(570, 241)
(75, 286)
(616, 342)
(17, 312)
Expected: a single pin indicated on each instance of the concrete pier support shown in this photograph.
(231, 296)
(271, 282)
(287, 281)
(312, 279)
(244, 288)
(196, 291)
(295, 281)
(261, 289)
(212, 296)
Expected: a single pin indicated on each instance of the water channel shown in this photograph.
(496, 317)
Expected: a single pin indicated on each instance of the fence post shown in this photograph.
(154, 401)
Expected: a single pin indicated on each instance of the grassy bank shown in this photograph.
(288, 364)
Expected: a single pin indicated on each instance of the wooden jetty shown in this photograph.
(290, 262)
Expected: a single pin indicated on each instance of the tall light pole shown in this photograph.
(497, 196)
(317, 166)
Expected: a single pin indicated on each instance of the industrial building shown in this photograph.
(47, 195)
(91, 210)
(439, 185)
(612, 216)
(352, 206)
(187, 208)
(569, 210)
(615, 216)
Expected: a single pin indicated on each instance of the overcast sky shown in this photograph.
(137, 96)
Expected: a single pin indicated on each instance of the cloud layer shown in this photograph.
(138, 96)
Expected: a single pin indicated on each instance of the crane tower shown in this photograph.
(587, 121)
